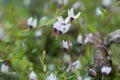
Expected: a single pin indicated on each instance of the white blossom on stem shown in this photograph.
(79, 4)
(32, 23)
(74, 66)
(89, 38)
(79, 78)
(61, 26)
(27, 2)
(51, 77)
(32, 76)
(64, 2)
(106, 70)
(98, 12)
(4, 68)
(106, 3)
(71, 15)
(77, 64)
(79, 39)
(66, 44)
(87, 78)
(38, 34)
(1, 60)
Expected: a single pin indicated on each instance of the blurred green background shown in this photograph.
(21, 49)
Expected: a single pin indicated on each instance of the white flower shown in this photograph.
(98, 12)
(61, 20)
(79, 4)
(66, 44)
(51, 77)
(89, 38)
(38, 34)
(62, 2)
(74, 66)
(106, 3)
(88, 78)
(27, 2)
(71, 15)
(106, 70)
(32, 76)
(79, 39)
(70, 68)
(65, 2)
(2, 33)
(32, 23)
(1, 60)
(61, 26)
(4, 68)
(43, 18)
(77, 65)
(79, 78)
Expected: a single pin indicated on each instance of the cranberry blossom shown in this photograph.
(61, 26)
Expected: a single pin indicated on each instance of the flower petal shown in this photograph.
(72, 12)
(66, 28)
(68, 12)
(77, 15)
(29, 21)
(34, 23)
(60, 19)
(67, 20)
(79, 39)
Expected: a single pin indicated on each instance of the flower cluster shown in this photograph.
(4, 68)
(61, 26)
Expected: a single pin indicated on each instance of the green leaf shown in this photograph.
(47, 22)
(51, 21)
(44, 68)
(118, 4)
(104, 14)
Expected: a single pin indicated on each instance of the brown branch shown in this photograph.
(101, 57)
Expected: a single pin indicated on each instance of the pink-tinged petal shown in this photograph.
(92, 72)
(77, 15)
(67, 20)
(34, 23)
(29, 21)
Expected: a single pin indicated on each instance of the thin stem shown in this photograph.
(83, 36)
(103, 77)
(82, 32)
(62, 62)
(70, 49)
